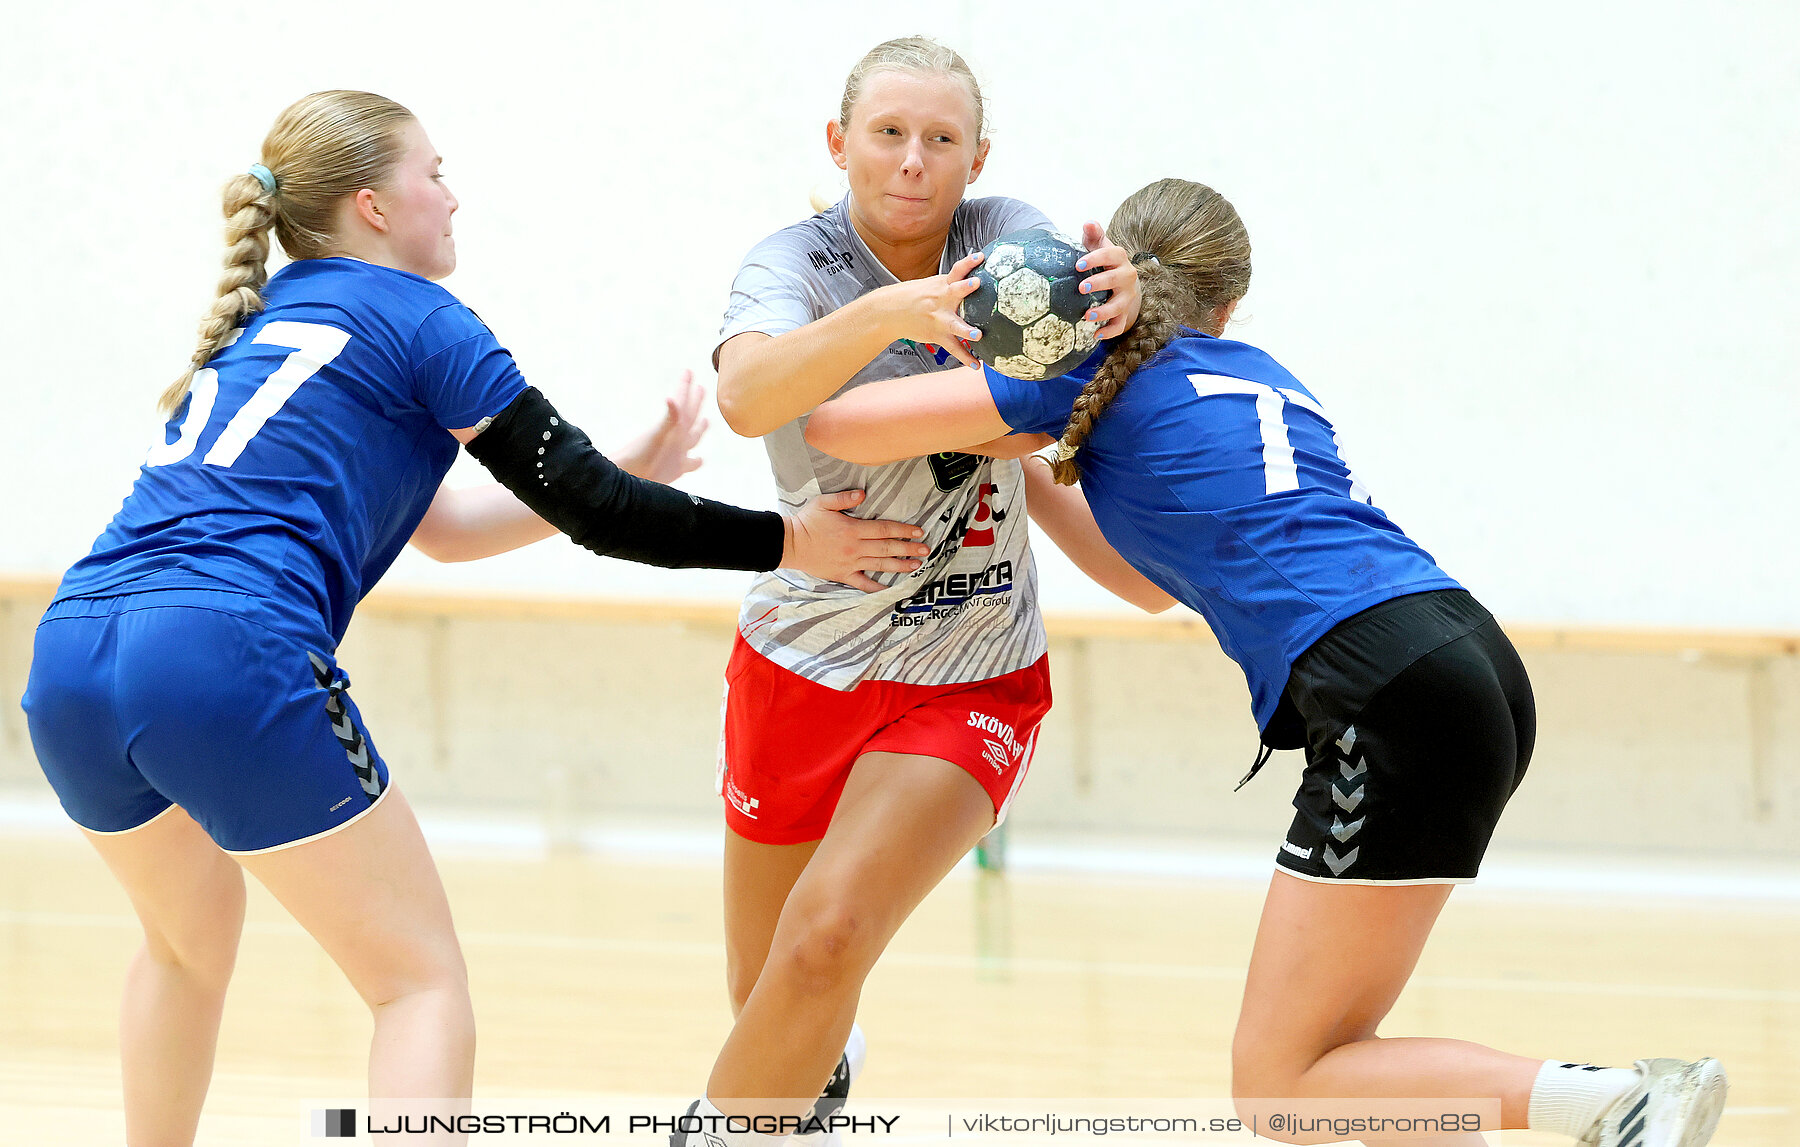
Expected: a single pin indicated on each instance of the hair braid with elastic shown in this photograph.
(249, 214)
(1158, 325)
(322, 148)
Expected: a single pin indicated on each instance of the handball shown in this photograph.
(1029, 306)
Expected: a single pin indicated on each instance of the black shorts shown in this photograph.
(1419, 725)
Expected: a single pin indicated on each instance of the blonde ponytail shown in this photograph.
(322, 148)
(1201, 262)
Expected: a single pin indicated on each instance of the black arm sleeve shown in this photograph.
(551, 466)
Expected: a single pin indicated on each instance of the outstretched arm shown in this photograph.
(908, 418)
(472, 522)
(1063, 513)
(480, 521)
(553, 468)
(1013, 446)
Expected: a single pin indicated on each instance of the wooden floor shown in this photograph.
(598, 978)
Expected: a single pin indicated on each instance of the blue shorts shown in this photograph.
(144, 701)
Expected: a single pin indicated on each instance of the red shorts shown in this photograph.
(788, 743)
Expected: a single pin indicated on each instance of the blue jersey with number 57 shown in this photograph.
(1218, 476)
(308, 449)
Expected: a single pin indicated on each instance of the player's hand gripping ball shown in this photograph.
(1029, 306)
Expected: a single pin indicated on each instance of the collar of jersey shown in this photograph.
(840, 216)
(340, 262)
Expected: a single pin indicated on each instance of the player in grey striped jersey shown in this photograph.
(921, 630)
(870, 739)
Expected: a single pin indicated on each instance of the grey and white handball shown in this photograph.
(1029, 306)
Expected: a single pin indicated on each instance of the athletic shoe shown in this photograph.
(837, 1090)
(1673, 1104)
(680, 1138)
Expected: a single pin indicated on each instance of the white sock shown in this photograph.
(715, 1129)
(1567, 1098)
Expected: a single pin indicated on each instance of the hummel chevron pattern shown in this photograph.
(348, 735)
(1347, 792)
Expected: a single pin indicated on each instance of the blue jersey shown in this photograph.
(308, 449)
(1217, 475)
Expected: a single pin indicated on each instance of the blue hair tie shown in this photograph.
(264, 176)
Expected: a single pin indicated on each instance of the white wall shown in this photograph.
(1539, 260)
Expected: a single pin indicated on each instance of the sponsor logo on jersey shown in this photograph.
(744, 804)
(830, 262)
(950, 469)
(981, 526)
(943, 596)
(939, 355)
(1293, 849)
(958, 535)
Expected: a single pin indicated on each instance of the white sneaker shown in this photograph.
(1674, 1104)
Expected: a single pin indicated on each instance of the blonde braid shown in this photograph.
(249, 214)
(1158, 325)
(323, 148)
(1201, 264)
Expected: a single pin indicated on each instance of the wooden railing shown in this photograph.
(1174, 626)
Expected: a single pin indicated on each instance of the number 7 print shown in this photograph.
(1279, 471)
(314, 345)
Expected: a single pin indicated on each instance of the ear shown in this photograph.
(1222, 315)
(981, 152)
(368, 211)
(834, 143)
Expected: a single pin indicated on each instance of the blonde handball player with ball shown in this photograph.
(869, 740)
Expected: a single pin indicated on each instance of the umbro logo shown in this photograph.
(996, 755)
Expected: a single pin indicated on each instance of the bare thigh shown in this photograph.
(1329, 962)
(187, 893)
(758, 878)
(371, 896)
(903, 822)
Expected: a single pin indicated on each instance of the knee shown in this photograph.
(1264, 1067)
(829, 950)
(1256, 1077)
(203, 947)
(1267, 1066)
(1260, 1086)
(416, 971)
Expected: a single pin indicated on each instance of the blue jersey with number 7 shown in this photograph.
(1218, 476)
(308, 449)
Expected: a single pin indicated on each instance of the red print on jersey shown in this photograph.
(981, 526)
